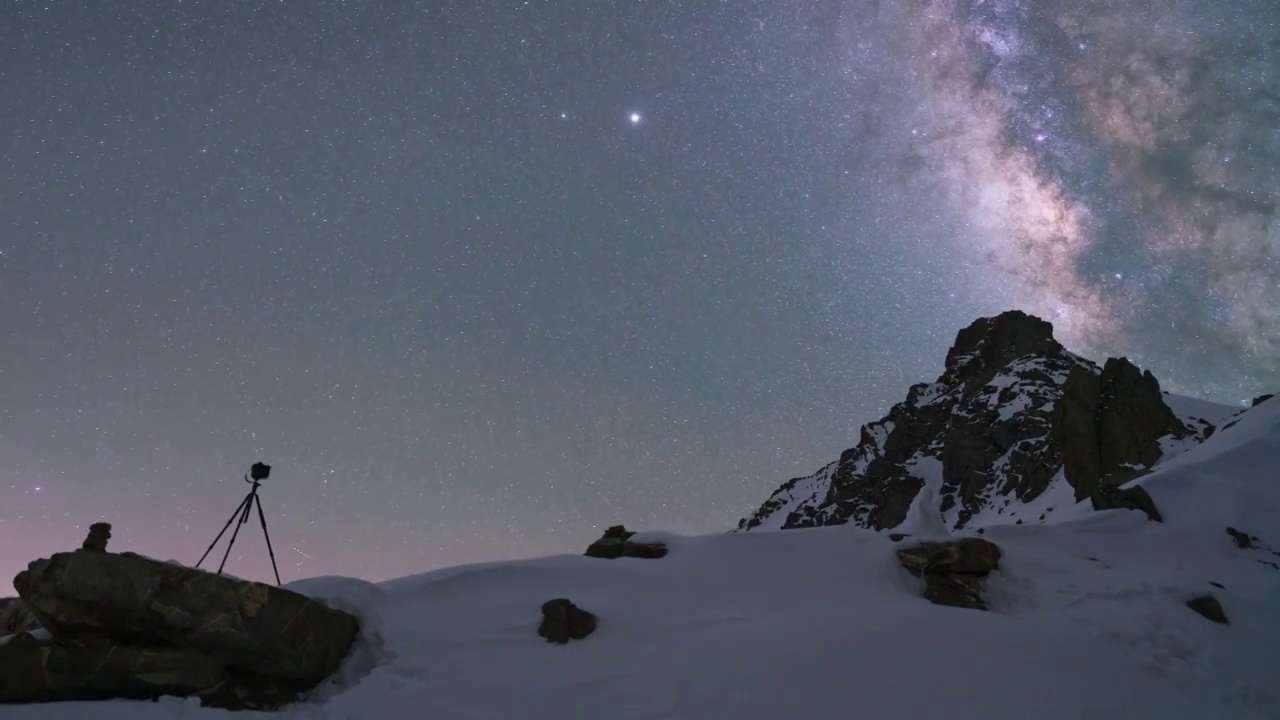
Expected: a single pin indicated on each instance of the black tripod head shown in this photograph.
(259, 472)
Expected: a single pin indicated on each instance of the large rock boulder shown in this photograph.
(43, 671)
(1208, 607)
(966, 555)
(1109, 496)
(616, 543)
(953, 571)
(563, 621)
(106, 598)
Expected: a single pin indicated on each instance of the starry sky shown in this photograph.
(478, 278)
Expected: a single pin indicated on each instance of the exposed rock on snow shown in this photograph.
(1261, 399)
(1244, 540)
(156, 628)
(616, 543)
(1015, 421)
(563, 621)
(1114, 497)
(1209, 607)
(953, 571)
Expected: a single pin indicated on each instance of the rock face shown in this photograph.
(563, 621)
(1111, 424)
(616, 543)
(953, 571)
(1012, 414)
(153, 628)
(44, 671)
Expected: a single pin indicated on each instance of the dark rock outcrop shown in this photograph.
(44, 671)
(125, 626)
(1011, 411)
(1261, 399)
(616, 543)
(1209, 607)
(1111, 424)
(563, 621)
(953, 571)
(245, 625)
(1244, 540)
(1132, 417)
(1076, 431)
(1113, 497)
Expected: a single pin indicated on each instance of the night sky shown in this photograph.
(480, 278)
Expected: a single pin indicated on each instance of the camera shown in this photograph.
(259, 471)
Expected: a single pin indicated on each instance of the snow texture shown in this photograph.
(1088, 621)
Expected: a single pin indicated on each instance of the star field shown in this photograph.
(478, 279)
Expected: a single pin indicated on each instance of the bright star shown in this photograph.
(635, 118)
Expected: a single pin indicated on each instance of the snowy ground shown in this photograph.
(1088, 622)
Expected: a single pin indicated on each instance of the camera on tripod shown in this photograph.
(258, 472)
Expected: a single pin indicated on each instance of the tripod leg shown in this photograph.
(239, 511)
(263, 519)
(244, 515)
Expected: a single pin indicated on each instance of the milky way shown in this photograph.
(1112, 166)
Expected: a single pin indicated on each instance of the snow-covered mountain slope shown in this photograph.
(1015, 427)
(1088, 621)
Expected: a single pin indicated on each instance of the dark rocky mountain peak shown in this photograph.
(1015, 422)
(989, 344)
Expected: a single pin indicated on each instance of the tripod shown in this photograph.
(242, 512)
